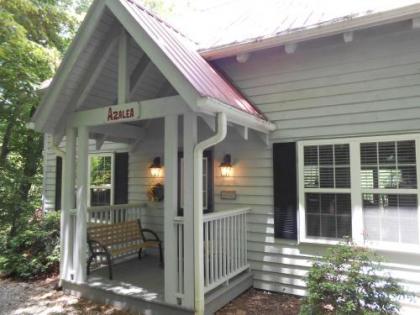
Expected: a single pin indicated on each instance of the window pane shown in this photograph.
(342, 154)
(387, 153)
(368, 153)
(326, 155)
(406, 152)
(326, 177)
(390, 217)
(342, 177)
(100, 180)
(394, 167)
(311, 176)
(311, 155)
(100, 197)
(313, 203)
(369, 177)
(328, 215)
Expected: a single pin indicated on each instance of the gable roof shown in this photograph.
(172, 53)
(183, 54)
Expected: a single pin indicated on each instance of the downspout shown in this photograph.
(199, 148)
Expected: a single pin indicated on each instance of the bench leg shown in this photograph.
(109, 261)
(160, 254)
(88, 264)
(140, 251)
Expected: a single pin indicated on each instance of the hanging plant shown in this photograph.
(156, 193)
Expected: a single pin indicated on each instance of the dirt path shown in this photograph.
(258, 302)
(40, 298)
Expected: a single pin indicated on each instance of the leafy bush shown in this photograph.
(350, 280)
(34, 251)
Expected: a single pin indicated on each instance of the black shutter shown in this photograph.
(285, 190)
(121, 178)
(58, 181)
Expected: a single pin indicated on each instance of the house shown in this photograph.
(269, 149)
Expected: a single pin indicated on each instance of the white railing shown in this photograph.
(224, 246)
(115, 213)
(179, 229)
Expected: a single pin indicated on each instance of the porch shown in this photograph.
(139, 284)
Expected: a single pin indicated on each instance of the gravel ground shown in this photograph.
(258, 302)
(40, 298)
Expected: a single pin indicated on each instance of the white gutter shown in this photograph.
(199, 148)
(316, 31)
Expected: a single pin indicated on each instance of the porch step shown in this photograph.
(219, 297)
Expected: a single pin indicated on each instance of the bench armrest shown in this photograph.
(151, 232)
(96, 247)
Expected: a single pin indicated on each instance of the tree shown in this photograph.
(33, 35)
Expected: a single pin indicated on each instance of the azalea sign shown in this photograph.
(121, 113)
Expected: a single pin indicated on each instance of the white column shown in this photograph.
(68, 204)
(170, 206)
(80, 247)
(190, 140)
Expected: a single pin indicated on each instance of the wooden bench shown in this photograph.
(114, 240)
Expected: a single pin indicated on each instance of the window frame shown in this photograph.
(102, 154)
(356, 192)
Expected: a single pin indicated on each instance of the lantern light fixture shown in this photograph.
(156, 167)
(226, 166)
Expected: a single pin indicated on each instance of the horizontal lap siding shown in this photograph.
(367, 87)
(139, 182)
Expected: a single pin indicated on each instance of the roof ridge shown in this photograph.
(161, 20)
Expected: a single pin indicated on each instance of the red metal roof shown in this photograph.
(181, 51)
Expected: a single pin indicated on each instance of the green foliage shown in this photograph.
(34, 251)
(351, 280)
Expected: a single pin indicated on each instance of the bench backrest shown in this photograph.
(117, 233)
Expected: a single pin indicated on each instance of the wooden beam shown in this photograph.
(348, 37)
(290, 48)
(242, 131)
(265, 138)
(138, 74)
(416, 22)
(94, 69)
(99, 142)
(123, 79)
(119, 131)
(242, 58)
(149, 109)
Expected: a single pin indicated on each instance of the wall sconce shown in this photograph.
(156, 167)
(226, 166)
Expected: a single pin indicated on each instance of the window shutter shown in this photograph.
(285, 190)
(58, 181)
(121, 178)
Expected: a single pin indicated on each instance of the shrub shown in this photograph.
(34, 251)
(351, 280)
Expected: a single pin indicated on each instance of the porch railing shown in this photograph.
(224, 246)
(115, 213)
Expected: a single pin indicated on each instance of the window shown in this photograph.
(328, 206)
(207, 182)
(363, 188)
(389, 191)
(101, 179)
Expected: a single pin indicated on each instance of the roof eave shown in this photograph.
(210, 105)
(317, 31)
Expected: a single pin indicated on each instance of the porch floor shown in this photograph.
(137, 278)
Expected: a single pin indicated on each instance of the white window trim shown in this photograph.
(112, 155)
(356, 193)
